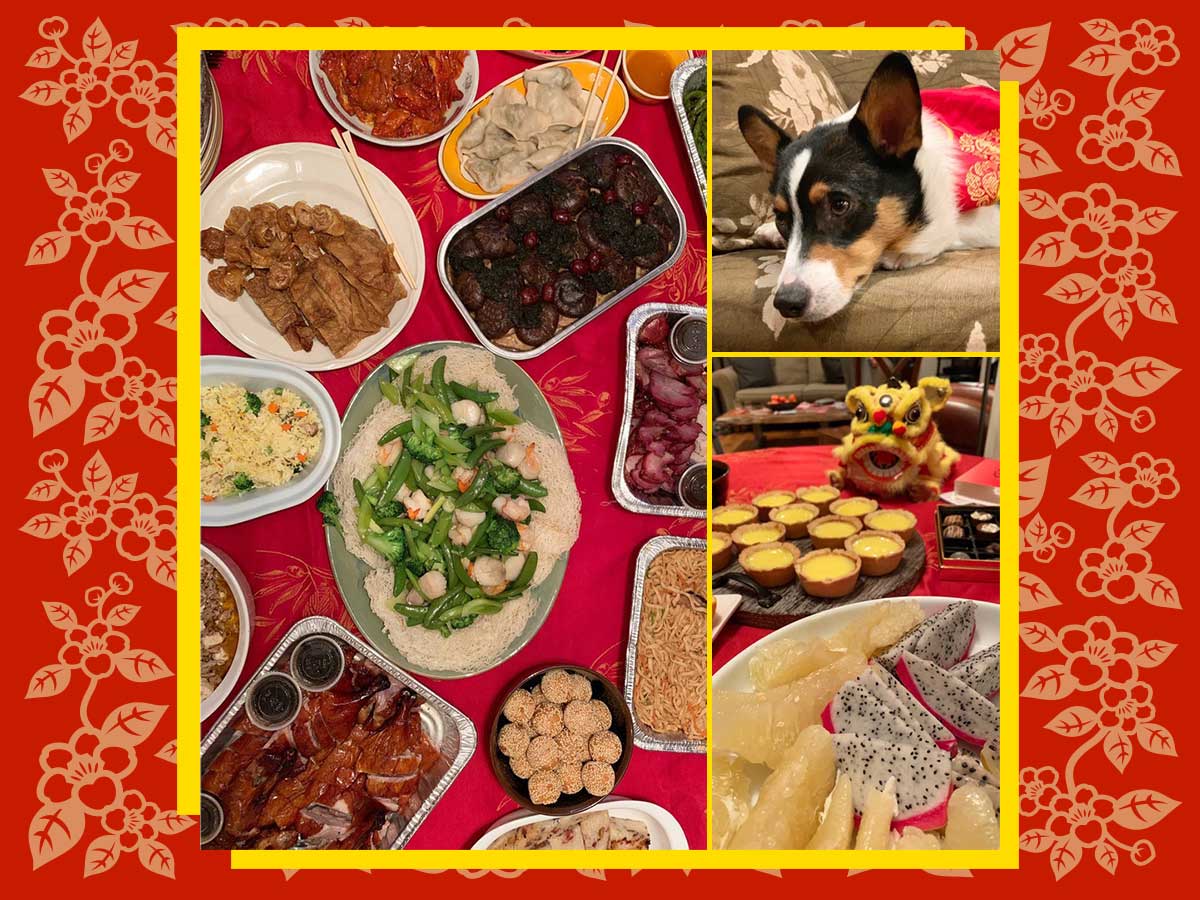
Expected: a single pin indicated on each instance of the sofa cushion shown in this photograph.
(794, 90)
(850, 70)
(753, 372)
(933, 308)
(793, 370)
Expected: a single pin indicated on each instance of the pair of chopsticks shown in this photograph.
(587, 107)
(345, 143)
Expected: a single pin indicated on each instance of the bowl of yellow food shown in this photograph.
(769, 500)
(772, 564)
(897, 521)
(757, 533)
(880, 551)
(854, 507)
(819, 495)
(734, 516)
(828, 573)
(830, 532)
(794, 517)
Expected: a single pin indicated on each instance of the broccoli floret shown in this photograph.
(390, 544)
(243, 482)
(456, 431)
(460, 622)
(389, 509)
(504, 478)
(253, 403)
(205, 421)
(423, 448)
(329, 509)
(501, 537)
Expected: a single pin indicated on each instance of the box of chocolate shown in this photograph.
(968, 539)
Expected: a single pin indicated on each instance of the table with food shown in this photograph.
(856, 655)
(453, 387)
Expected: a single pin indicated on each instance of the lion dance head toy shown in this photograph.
(894, 448)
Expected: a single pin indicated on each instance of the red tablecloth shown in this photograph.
(267, 100)
(756, 471)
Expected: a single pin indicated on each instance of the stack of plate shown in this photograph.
(212, 124)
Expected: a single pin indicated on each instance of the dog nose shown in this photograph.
(792, 299)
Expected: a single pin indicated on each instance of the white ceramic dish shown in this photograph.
(735, 674)
(665, 831)
(257, 375)
(243, 596)
(724, 606)
(314, 173)
(468, 84)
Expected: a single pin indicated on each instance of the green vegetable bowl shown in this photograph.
(349, 571)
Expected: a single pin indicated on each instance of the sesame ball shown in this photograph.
(544, 787)
(598, 778)
(570, 777)
(573, 746)
(520, 766)
(547, 719)
(605, 747)
(519, 707)
(581, 717)
(580, 688)
(556, 685)
(542, 752)
(513, 739)
(603, 714)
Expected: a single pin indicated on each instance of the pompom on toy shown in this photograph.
(894, 448)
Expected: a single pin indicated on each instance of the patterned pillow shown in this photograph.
(795, 90)
(851, 69)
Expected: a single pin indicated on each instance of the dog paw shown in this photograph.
(895, 261)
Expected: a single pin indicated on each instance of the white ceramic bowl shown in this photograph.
(244, 598)
(257, 375)
(468, 84)
(665, 831)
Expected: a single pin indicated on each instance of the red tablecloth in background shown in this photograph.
(756, 471)
(267, 100)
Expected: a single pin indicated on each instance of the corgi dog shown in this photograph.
(902, 177)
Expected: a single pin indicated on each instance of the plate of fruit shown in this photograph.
(782, 402)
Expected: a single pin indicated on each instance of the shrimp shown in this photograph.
(513, 565)
(530, 467)
(465, 523)
(417, 505)
(433, 583)
(466, 412)
(389, 453)
(511, 454)
(515, 509)
(463, 477)
(525, 544)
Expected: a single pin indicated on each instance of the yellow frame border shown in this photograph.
(192, 41)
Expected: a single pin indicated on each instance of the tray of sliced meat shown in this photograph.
(660, 463)
(329, 746)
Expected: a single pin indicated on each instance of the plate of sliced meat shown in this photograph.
(292, 266)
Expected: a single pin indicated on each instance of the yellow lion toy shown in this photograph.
(894, 448)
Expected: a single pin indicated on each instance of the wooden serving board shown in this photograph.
(792, 603)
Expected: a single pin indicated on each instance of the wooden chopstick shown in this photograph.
(604, 103)
(345, 143)
(587, 107)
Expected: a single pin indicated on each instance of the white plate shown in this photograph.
(665, 832)
(468, 85)
(257, 375)
(735, 674)
(243, 596)
(314, 173)
(724, 606)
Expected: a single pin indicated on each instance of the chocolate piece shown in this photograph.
(953, 519)
(992, 549)
(960, 555)
(954, 531)
(988, 528)
(981, 516)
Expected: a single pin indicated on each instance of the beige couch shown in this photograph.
(803, 376)
(930, 308)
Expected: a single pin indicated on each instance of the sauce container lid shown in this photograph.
(212, 817)
(317, 662)
(273, 701)
(693, 486)
(689, 340)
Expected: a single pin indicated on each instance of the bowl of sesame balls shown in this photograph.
(562, 740)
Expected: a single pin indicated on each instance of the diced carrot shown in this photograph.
(301, 457)
(273, 407)
(413, 513)
(213, 427)
(463, 485)
(286, 426)
(208, 497)
(300, 414)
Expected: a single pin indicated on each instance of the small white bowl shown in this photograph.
(244, 598)
(257, 375)
(468, 85)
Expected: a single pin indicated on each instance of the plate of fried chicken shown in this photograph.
(293, 268)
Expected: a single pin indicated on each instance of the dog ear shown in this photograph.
(889, 112)
(937, 391)
(765, 138)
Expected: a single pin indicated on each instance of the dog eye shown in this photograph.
(913, 415)
(783, 221)
(839, 204)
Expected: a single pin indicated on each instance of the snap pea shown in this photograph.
(389, 521)
(433, 404)
(360, 492)
(397, 476)
(478, 535)
(396, 431)
(478, 430)
(389, 390)
(531, 488)
(480, 607)
(502, 416)
(406, 385)
(460, 574)
(518, 584)
(481, 448)
(441, 530)
(536, 505)
(451, 445)
(438, 381)
(474, 394)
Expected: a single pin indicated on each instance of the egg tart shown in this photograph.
(830, 532)
(794, 518)
(720, 547)
(828, 573)
(770, 500)
(819, 495)
(854, 507)
(757, 533)
(897, 521)
(772, 564)
(734, 515)
(879, 551)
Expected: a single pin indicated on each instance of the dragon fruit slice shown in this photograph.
(917, 713)
(969, 715)
(943, 639)
(981, 671)
(855, 710)
(921, 775)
